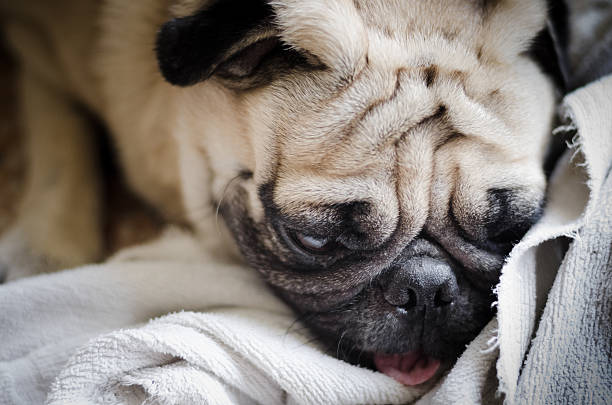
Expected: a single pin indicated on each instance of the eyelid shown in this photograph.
(247, 60)
(292, 238)
(317, 242)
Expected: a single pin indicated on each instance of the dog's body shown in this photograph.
(64, 73)
(375, 168)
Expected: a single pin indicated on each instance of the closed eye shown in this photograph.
(245, 62)
(313, 244)
(262, 61)
(310, 246)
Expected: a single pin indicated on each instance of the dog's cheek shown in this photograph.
(494, 211)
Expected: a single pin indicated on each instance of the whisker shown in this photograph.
(302, 317)
(360, 354)
(309, 341)
(225, 189)
(339, 344)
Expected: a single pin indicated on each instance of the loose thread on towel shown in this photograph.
(567, 128)
(575, 142)
(575, 235)
(492, 343)
(495, 290)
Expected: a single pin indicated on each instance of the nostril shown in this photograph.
(401, 296)
(446, 293)
(442, 298)
(411, 301)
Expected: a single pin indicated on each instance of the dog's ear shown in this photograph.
(537, 27)
(220, 38)
(549, 48)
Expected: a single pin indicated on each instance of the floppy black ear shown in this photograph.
(189, 49)
(549, 48)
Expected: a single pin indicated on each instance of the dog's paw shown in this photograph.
(19, 259)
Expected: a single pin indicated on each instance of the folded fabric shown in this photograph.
(570, 359)
(246, 348)
(235, 356)
(43, 319)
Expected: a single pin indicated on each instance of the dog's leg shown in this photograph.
(59, 224)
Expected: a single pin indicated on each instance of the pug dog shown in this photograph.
(373, 160)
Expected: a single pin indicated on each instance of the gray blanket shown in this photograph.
(570, 360)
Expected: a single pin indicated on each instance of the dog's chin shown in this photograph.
(408, 367)
(388, 342)
(411, 368)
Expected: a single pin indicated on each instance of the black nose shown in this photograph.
(421, 282)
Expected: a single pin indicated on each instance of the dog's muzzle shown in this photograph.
(423, 285)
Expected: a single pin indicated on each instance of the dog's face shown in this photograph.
(374, 160)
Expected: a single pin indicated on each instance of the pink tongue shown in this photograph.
(410, 368)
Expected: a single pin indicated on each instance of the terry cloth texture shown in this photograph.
(242, 347)
(570, 360)
(575, 325)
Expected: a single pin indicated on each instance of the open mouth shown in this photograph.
(411, 368)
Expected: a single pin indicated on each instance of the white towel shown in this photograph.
(243, 349)
(221, 357)
(589, 109)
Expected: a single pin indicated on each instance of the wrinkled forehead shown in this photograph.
(343, 32)
(405, 62)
